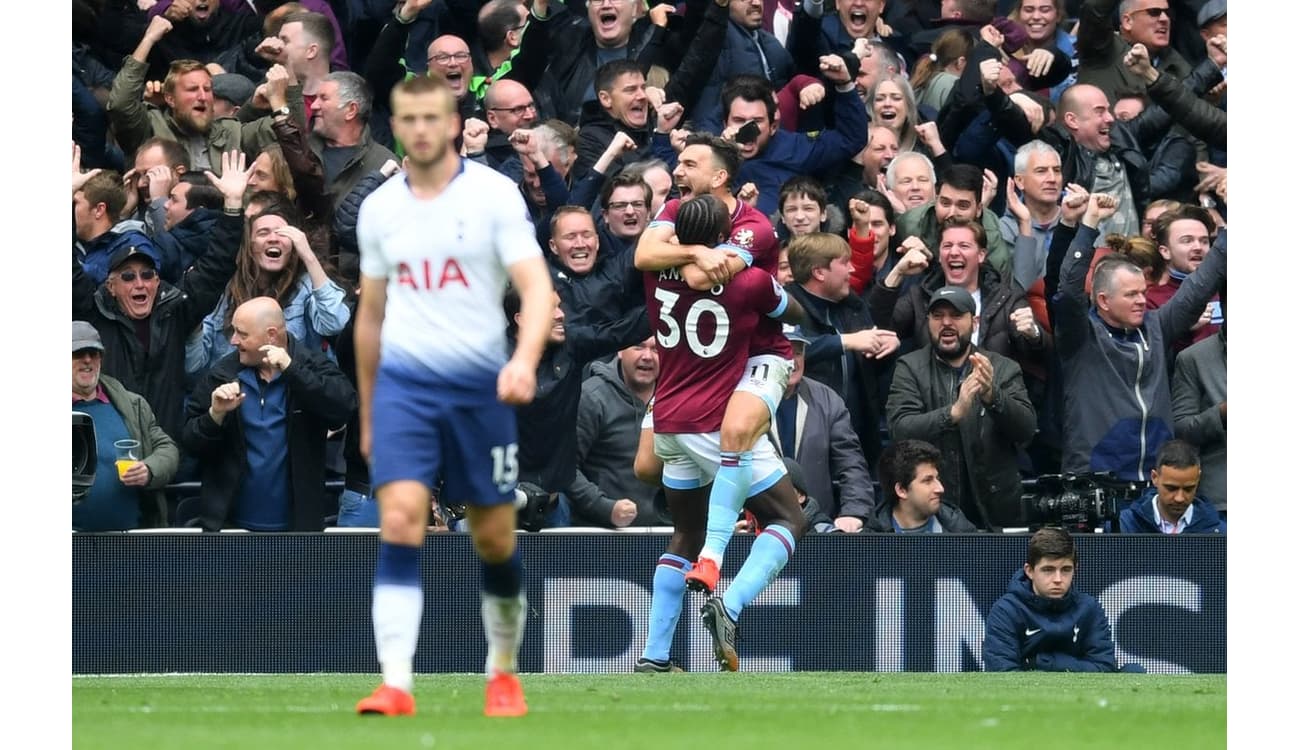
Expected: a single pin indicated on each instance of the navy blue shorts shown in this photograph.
(420, 433)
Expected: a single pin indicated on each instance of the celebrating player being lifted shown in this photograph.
(706, 167)
(706, 339)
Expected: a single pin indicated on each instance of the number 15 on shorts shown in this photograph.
(505, 465)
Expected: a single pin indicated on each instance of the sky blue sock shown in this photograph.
(771, 551)
(665, 605)
(726, 498)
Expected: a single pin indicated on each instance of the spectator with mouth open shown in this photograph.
(621, 106)
(626, 200)
(189, 117)
(275, 261)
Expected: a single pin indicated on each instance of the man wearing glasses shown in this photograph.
(1101, 47)
(625, 200)
(509, 107)
(144, 321)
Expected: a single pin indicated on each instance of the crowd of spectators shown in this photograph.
(1005, 219)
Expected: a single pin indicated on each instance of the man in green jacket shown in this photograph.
(959, 193)
(190, 116)
(126, 494)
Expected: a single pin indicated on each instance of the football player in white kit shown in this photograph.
(436, 389)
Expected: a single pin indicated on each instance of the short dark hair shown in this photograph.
(752, 89)
(317, 26)
(625, 179)
(274, 203)
(978, 10)
(201, 193)
(1052, 542)
(899, 462)
(703, 220)
(1178, 454)
(496, 19)
(802, 185)
(106, 187)
(431, 82)
(607, 74)
(725, 153)
(511, 304)
(873, 197)
(173, 152)
(966, 177)
(1182, 211)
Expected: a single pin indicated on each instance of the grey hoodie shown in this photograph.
(609, 428)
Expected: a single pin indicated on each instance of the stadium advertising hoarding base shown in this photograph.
(301, 602)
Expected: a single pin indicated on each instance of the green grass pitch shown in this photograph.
(791, 711)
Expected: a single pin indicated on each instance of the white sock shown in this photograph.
(503, 624)
(396, 612)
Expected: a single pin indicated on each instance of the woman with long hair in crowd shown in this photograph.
(937, 73)
(1044, 24)
(893, 105)
(275, 260)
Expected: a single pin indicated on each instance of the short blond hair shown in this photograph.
(179, 68)
(812, 251)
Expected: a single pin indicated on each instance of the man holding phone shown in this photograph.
(772, 155)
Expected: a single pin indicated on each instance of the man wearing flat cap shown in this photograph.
(130, 498)
(229, 92)
(971, 404)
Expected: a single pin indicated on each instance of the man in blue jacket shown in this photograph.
(1172, 505)
(1042, 623)
(773, 155)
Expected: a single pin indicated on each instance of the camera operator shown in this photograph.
(1172, 505)
(134, 497)
(1042, 623)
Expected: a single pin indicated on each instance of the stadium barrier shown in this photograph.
(292, 603)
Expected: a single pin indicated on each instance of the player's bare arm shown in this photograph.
(372, 296)
(794, 314)
(518, 379)
(702, 267)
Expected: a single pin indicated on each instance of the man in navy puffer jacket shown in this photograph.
(1042, 623)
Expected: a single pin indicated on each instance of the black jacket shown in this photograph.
(596, 130)
(227, 38)
(905, 312)
(572, 68)
(182, 245)
(548, 426)
(852, 376)
(612, 294)
(319, 398)
(157, 372)
(951, 519)
(982, 447)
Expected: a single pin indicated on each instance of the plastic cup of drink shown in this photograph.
(128, 455)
